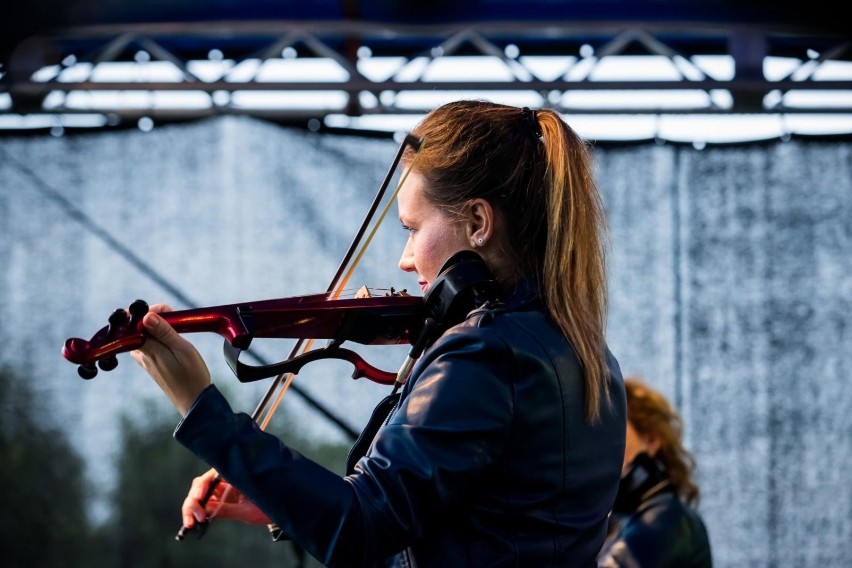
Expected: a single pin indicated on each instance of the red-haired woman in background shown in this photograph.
(655, 523)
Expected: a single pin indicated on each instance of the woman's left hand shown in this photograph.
(172, 361)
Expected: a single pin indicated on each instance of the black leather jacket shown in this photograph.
(486, 461)
(652, 528)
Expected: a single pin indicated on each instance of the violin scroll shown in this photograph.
(122, 333)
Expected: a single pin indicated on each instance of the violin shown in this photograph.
(463, 283)
(383, 320)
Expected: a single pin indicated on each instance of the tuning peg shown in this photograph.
(87, 371)
(108, 363)
(138, 309)
(116, 320)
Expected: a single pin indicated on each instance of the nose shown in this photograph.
(406, 261)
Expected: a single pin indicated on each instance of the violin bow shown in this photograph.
(268, 405)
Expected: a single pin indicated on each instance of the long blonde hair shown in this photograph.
(531, 166)
(651, 415)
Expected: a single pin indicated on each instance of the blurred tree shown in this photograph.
(154, 474)
(43, 520)
(42, 487)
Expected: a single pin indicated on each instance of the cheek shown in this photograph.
(429, 254)
(435, 244)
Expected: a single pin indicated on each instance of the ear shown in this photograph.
(479, 222)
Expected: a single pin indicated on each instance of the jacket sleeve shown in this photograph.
(450, 425)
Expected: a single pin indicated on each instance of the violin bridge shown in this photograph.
(363, 292)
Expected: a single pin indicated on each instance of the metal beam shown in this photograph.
(586, 43)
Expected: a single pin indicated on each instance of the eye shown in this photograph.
(407, 228)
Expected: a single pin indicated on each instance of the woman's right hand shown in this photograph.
(226, 502)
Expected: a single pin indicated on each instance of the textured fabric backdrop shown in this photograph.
(731, 291)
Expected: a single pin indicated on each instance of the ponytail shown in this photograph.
(574, 282)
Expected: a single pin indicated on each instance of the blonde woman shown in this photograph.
(505, 445)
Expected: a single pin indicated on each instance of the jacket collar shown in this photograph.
(521, 294)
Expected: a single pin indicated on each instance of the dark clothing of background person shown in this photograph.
(651, 527)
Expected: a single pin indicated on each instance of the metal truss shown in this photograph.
(44, 72)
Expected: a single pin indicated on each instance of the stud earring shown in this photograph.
(479, 241)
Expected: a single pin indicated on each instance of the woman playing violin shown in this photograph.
(506, 444)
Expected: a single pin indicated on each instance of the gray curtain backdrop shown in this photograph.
(731, 291)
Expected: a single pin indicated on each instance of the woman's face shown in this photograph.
(433, 237)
